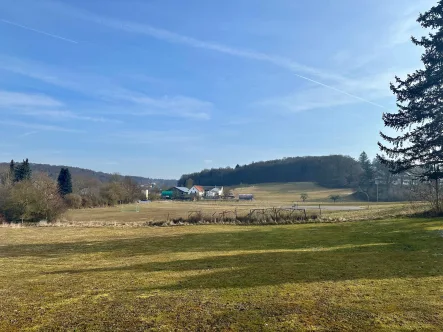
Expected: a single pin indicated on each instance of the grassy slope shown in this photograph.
(290, 192)
(349, 276)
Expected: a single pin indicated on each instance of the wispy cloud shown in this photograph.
(406, 25)
(14, 99)
(29, 133)
(173, 37)
(129, 102)
(38, 31)
(62, 115)
(169, 106)
(43, 106)
(40, 127)
(154, 137)
(375, 87)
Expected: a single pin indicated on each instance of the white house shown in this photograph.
(197, 190)
(215, 192)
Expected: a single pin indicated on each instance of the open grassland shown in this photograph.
(168, 210)
(285, 193)
(266, 196)
(362, 276)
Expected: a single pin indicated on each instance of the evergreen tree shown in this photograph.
(11, 167)
(11, 174)
(419, 118)
(367, 177)
(22, 171)
(64, 182)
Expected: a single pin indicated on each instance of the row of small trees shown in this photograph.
(27, 197)
(32, 197)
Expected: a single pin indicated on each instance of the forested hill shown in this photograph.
(334, 171)
(53, 172)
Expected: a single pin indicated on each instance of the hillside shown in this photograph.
(335, 171)
(53, 171)
(290, 192)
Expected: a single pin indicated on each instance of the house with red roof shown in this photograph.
(197, 190)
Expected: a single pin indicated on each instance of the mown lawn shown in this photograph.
(361, 276)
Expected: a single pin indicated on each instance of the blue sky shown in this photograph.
(161, 88)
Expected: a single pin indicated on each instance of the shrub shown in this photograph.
(73, 201)
(33, 200)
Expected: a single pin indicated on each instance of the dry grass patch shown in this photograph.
(379, 275)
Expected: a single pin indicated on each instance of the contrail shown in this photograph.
(39, 31)
(341, 91)
(176, 38)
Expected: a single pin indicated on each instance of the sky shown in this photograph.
(159, 88)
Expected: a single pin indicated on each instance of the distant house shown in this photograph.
(214, 192)
(245, 197)
(175, 193)
(179, 192)
(197, 190)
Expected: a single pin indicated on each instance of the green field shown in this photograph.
(360, 276)
(290, 192)
(266, 196)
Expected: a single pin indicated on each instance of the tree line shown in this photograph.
(77, 172)
(29, 196)
(366, 177)
(335, 171)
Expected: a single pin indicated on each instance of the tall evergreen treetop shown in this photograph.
(22, 171)
(419, 119)
(11, 174)
(64, 182)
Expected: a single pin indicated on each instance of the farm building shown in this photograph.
(245, 197)
(167, 194)
(197, 190)
(214, 192)
(175, 193)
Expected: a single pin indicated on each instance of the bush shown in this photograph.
(73, 201)
(33, 200)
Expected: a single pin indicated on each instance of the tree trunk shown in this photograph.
(437, 195)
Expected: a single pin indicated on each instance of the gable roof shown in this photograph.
(183, 189)
(199, 188)
(208, 188)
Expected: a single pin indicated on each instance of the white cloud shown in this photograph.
(129, 102)
(374, 87)
(406, 24)
(37, 105)
(29, 133)
(62, 115)
(172, 37)
(41, 127)
(179, 106)
(39, 31)
(13, 99)
(207, 161)
(153, 137)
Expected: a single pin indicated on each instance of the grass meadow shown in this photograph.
(266, 196)
(360, 276)
(102, 275)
